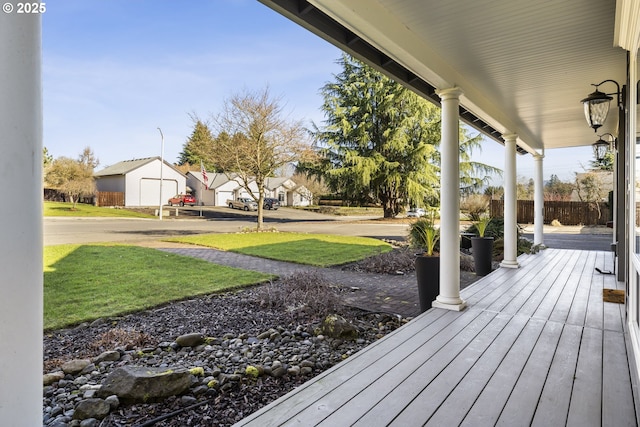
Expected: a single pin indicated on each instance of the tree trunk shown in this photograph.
(260, 208)
(388, 212)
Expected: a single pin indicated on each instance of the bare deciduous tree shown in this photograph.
(590, 189)
(316, 186)
(258, 140)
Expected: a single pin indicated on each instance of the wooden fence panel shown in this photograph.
(568, 213)
(110, 198)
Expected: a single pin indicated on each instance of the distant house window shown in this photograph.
(281, 196)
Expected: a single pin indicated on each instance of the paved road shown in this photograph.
(593, 242)
(59, 230)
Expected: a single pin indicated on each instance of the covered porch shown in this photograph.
(536, 345)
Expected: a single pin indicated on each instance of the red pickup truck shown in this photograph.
(182, 199)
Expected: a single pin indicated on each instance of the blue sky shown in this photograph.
(116, 70)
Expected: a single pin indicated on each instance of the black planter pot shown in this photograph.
(428, 276)
(465, 240)
(482, 249)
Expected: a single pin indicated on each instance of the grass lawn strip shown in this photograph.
(85, 210)
(321, 250)
(86, 282)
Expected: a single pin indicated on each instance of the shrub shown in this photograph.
(475, 206)
(524, 247)
(117, 337)
(423, 235)
(399, 259)
(304, 291)
(494, 229)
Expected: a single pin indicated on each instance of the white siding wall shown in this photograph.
(143, 185)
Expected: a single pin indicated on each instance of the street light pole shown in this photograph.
(161, 167)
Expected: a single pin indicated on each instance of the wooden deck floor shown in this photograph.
(536, 346)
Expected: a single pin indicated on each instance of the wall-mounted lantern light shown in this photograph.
(596, 105)
(602, 147)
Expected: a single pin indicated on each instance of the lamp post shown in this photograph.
(161, 167)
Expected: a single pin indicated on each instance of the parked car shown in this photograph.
(416, 213)
(271, 203)
(244, 203)
(182, 199)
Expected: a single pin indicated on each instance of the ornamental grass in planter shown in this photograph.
(424, 236)
(482, 247)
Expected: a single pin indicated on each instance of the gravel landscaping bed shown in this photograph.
(250, 347)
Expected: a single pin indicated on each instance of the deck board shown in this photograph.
(536, 346)
(489, 405)
(586, 397)
(553, 403)
(616, 387)
(458, 403)
(523, 401)
(415, 368)
(419, 369)
(553, 276)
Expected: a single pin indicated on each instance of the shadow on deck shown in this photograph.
(536, 346)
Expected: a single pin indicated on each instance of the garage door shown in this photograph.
(150, 191)
(222, 197)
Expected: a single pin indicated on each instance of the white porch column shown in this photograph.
(510, 208)
(449, 297)
(538, 202)
(21, 229)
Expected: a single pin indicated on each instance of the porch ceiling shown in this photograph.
(523, 65)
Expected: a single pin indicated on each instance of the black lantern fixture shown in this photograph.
(596, 105)
(602, 147)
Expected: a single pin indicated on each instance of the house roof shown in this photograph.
(214, 180)
(272, 183)
(523, 66)
(126, 166)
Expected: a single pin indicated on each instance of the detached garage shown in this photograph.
(139, 180)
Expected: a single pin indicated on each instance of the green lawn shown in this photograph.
(82, 209)
(313, 249)
(86, 282)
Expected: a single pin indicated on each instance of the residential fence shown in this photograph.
(110, 198)
(567, 213)
(53, 195)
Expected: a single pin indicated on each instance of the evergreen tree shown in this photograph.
(604, 164)
(47, 158)
(557, 190)
(379, 142)
(199, 147)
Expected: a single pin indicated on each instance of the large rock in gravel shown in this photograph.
(190, 340)
(74, 367)
(335, 326)
(48, 379)
(91, 408)
(145, 384)
(107, 356)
